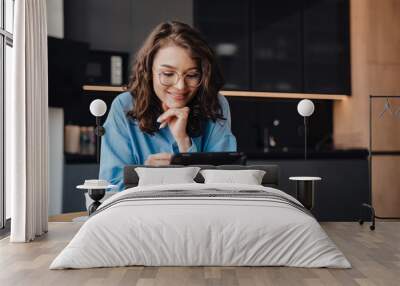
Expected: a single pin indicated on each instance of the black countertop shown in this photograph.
(311, 154)
(291, 154)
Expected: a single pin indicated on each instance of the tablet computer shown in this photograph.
(209, 158)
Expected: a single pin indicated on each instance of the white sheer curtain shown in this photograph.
(27, 124)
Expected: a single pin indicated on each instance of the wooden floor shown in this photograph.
(375, 257)
(67, 217)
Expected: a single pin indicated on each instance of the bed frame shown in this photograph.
(270, 179)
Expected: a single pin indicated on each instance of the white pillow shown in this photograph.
(249, 177)
(164, 176)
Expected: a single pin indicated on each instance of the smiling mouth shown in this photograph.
(177, 96)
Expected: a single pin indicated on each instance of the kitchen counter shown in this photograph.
(345, 180)
(272, 154)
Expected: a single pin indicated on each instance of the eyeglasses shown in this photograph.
(169, 78)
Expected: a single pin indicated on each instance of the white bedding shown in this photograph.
(200, 231)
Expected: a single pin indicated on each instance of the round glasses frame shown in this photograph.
(174, 79)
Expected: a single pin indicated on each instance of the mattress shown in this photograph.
(201, 225)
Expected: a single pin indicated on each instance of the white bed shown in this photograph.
(185, 230)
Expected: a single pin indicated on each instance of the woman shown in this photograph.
(172, 105)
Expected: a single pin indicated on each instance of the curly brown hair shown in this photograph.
(203, 106)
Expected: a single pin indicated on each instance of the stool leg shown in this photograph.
(305, 193)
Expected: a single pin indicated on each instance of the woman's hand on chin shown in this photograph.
(158, 159)
(176, 119)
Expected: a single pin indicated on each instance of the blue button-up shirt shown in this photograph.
(125, 144)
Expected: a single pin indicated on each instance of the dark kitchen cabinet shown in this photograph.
(225, 25)
(270, 125)
(297, 46)
(326, 46)
(277, 46)
(335, 198)
(74, 175)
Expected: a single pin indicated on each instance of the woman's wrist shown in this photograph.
(184, 144)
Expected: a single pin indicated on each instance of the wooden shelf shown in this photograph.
(103, 88)
(284, 95)
(253, 94)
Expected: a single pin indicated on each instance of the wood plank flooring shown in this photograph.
(375, 257)
(67, 217)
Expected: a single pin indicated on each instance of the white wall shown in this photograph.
(55, 18)
(55, 28)
(56, 159)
